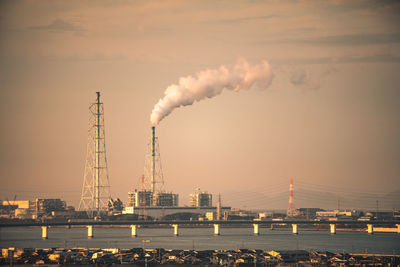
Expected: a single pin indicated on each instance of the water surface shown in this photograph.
(202, 239)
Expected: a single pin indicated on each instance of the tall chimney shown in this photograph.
(291, 207)
(153, 159)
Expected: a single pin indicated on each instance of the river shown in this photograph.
(203, 239)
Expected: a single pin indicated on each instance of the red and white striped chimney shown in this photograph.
(291, 206)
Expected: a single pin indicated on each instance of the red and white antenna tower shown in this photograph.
(290, 211)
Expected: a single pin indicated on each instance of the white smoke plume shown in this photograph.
(309, 79)
(209, 83)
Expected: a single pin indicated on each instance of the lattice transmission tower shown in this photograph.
(96, 187)
(152, 165)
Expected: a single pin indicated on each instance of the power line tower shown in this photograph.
(152, 165)
(96, 187)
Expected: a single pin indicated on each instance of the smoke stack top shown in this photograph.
(209, 83)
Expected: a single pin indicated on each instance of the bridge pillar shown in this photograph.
(89, 231)
(216, 229)
(370, 229)
(398, 228)
(256, 230)
(333, 228)
(176, 233)
(44, 232)
(295, 230)
(133, 231)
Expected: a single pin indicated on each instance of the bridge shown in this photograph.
(175, 225)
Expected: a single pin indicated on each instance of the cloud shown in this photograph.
(376, 58)
(59, 26)
(94, 57)
(301, 78)
(298, 77)
(341, 40)
(89, 57)
(340, 6)
(300, 73)
(245, 19)
(356, 39)
(304, 77)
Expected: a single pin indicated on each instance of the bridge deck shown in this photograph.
(233, 222)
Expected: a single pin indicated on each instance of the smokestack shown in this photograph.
(153, 159)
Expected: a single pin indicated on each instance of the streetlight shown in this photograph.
(144, 243)
(144, 247)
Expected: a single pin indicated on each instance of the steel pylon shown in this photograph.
(96, 186)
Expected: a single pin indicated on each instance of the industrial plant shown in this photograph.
(150, 201)
(156, 196)
(158, 203)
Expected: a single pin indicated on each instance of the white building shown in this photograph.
(200, 199)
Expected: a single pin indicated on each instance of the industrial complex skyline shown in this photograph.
(328, 118)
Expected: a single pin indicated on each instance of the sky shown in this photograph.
(329, 119)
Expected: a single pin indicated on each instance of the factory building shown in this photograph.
(165, 200)
(17, 208)
(200, 199)
(160, 213)
(48, 205)
(19, 204)
(140, 198)
(26, 209)
(336, 214)
(147, 199)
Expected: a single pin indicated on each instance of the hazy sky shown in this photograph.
(330, 118)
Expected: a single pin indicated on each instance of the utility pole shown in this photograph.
(219, 208)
